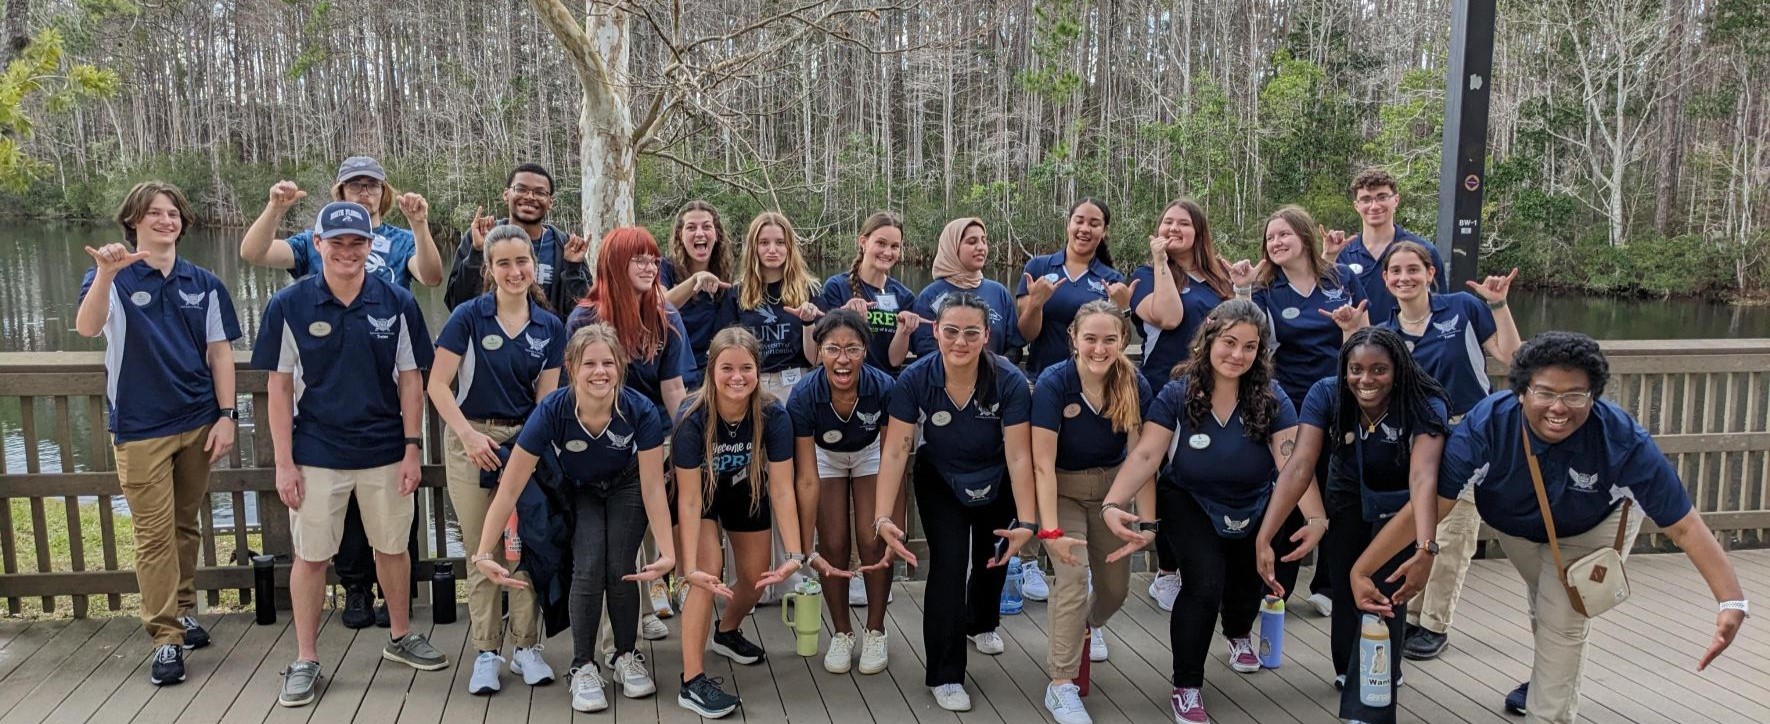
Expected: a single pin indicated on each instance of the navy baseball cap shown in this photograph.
(343, 217)
(361, 166)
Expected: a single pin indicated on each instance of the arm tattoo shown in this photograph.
(1285, 448)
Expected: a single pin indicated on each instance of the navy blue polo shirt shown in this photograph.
(1164, 348)
(1357, 257)
(157, 336)
(1052, 344)
(1085, 438)
(592, 457)
(1308, 342)
(390, 252)
(814, 415)
(346, 361)
(1004, 319)
(881, 318)
(1231, 468)
(781, 333)
(670, 361)
(496, 380)
(732, 448)
(1385, 469)
(1450, 350)
(1586, 476)
(965, 445)
(698, 317)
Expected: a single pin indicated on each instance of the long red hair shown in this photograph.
(639, 319)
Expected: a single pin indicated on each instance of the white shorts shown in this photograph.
(857, 464)
(318, 525)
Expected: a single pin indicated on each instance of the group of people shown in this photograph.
(644, 414)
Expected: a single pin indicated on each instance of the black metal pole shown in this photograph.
(1462, 176)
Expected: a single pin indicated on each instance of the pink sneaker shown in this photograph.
(1189, 706)
(1241, 655)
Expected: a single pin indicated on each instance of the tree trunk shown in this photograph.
(598, 53)
(18, 30)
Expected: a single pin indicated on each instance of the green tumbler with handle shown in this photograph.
(802, 610)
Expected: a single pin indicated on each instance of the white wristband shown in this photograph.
(1739, 606)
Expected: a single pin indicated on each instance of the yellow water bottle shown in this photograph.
(802, 611)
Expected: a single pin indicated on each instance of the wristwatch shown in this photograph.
(415, 441)
(1739, 606)
(1023, 525)
(1430, 547)
(798, 558)
(230, 413)
(1149, 526)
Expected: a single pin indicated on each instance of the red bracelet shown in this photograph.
(1051, 534)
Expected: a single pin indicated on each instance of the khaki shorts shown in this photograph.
(318, 525)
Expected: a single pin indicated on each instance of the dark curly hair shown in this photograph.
(1571, 350)
(842, 318)
(1258, 404)
(1409, 399)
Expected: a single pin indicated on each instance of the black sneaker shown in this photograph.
(1425, 645)
(168, 665)
(703, 696)
(1515, 701)
(732, 645)
(358, 607)
(194, 635)
(381, 619)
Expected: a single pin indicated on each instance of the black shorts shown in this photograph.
(730, 508)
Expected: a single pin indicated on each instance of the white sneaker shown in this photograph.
(951, 697)
(485, 674)
(1097, 644)
(1323, 605)
(840, 657)
(988, 642)
(1032, 581)
(857, 594)
(630, 671)
(873, 654)
(660, 599)
(587, 693)
(528, 664)
(1064, 701)
(652, 629)
(1164, 589)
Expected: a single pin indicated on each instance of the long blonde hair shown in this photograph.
(1122, 404)
(596, 333)
(797, 283)
(701, 402)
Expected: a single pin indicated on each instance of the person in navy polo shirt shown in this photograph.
(959, 260)
(169, 382)
(974, 486)
(837, 413)
(733, 454)
(614, 480)
(1448, 334)
(1086, 412)
(1223, 448)
(1600, 473)
(696, 277)
(1375, 197)
(501, 351)
(773, 300)
(1054, 286)
(867, 288)
(630, 300)
(345, 350)
(559, 257)
(1379, 424)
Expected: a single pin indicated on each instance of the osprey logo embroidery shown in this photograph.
(382, 328)
(1582, 481)
(375, 264)
(537, 347)
(869, 420)
(1236, 526)
(1449, 326)
(768, 315)
(620, 442)
(1334, 295)
(192, 301)
(1480, 475)
(1391, 434)
(987, 412)
(977, 494)
(1098, 286)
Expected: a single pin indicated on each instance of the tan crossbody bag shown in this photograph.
(1596, 582)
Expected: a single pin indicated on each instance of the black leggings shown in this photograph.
(1286, 573)
(605, 545)
(963, 594)
(1220, 575)
(1347, 537)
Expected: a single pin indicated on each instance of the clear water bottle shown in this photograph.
(1271, 632)
(1012, 602)
(1373, 662)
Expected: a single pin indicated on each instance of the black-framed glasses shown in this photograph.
(521, 190)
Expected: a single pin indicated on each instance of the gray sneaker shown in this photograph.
(414, 650)
(298, 683)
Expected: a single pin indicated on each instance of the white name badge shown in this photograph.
(1291, 312)
(832, 437)
(492, 342)
(577, 445)
(1357, 268)
(381, 244)
(319, 329)
(141, 299)
(1199, 441)
(940, 419)
(1072, 409)
(887, 303)
(790, 377)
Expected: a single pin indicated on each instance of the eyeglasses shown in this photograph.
(1575, 400)
(521, 190)
(1377, 199)
(644, 261)
(362, 187)
(837, 351)
(951, 333)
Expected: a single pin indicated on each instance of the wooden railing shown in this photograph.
(1706, 401)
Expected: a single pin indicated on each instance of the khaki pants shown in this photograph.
(484, 605)
(1457, 535)
(1559, 631)
(1079, 495)
(166, 481)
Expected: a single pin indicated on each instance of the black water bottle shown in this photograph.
(264, 587)
(442, 592)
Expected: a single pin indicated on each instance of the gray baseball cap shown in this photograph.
(361, 166)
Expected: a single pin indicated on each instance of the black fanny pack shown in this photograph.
(1234, 521)
(976, 489)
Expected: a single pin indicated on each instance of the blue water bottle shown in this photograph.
(1012, 603)
(1373, 662)
(1271, 632)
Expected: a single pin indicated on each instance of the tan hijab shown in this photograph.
(946, 255)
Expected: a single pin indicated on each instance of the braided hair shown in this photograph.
(1259, 405)
(1409, 398)
(875, 222)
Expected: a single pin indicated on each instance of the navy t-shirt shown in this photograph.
(1004, 319)
(780, 332)
(881, 317)
(1450, 349)
(157, 336)
(390, 253)
(499, 371)
(1586, 476)
(814, 415)
(584, 456)
(1308, 342)
(1383, 471)
(1052, 344)
(1357, 257)
(670, 361)
(1164, 348)
(698, 317)
(732, 448)
(965, 445)
(346, 361)
(1230, 468)
(1085, 438)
